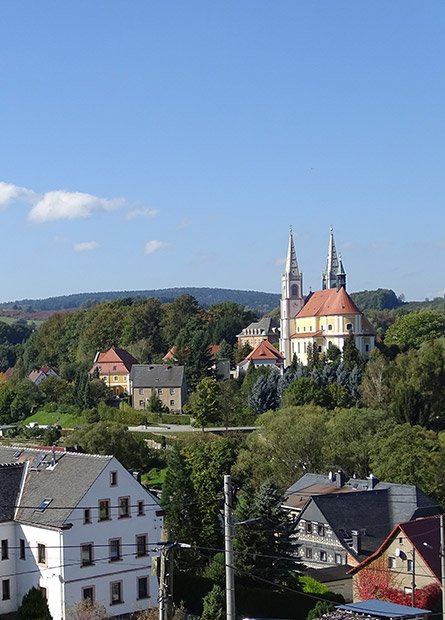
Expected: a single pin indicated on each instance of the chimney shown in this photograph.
(373, 482)
(356, 541)
(340, 479)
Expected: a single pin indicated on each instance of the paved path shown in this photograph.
(186, 428)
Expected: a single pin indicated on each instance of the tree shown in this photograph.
(87, 610)
(34, 605)
(374, 387)
(241, 352)
(264, 394)
(321, 608)
(176, 315)
(193, 351)
(263, 548)
(407, 455)
(289, 442)
(351, 355)
(413, 329)
(304, 391)
(333, 354)
(226, 320)
(112, 438)
(204, 403)
(182, 519)
(213, 604)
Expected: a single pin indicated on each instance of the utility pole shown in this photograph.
(228, 549)
(413, 584)
(165, 595)
(442, 562)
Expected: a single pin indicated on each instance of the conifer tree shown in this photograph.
(34, 605)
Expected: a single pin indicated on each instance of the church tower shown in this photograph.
(292, 298)
(333, 266)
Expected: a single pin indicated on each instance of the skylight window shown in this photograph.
(44, 505)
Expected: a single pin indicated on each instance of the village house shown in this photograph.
(410, 555)
(37, 376)
(342, 521)
(113, 367)
(166, 381)
(264, 354)
(76, 526)
(256, 332)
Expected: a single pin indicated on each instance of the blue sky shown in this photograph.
(150, 144)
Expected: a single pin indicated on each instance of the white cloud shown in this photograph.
(61, 205)
(10, 193)
(85, 246)
(154, 246)
(147, 212)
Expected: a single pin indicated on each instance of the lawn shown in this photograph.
(65, 420)
(154, 479)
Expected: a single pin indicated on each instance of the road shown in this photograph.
(186, 428)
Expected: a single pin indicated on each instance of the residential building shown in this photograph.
(264, 354)
(343, 521)
(37, 376)
(113, 367)
(166, 381)
(410, 554)
(322, 318)
(256, 332)
(77, 526)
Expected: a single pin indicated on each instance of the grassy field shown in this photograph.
(65, 420)
(10, 320)
(154, 479)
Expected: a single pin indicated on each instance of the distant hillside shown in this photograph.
(254, 300)
(380, 299)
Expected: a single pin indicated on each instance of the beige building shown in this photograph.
(408, 557)
(113, 367)
(257, 332)
(166, 381)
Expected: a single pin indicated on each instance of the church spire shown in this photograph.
(329, 278)
(291, 260)
(341, 275)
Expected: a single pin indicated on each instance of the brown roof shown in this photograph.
(265, 351)
(327, 303)
(299, 498)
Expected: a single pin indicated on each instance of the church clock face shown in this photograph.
(294, 306)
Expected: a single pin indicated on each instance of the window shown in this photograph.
(320, 529)
(115, 549)
(319, 348)
(116, 592)
(330, 326)
(308, 527)
(366, 347)
(172, 391)
(348, 326)
(141, 391)
(141, 508)
(124, 507)
(159, 390)
(22, 549)
(87, 515)
(115, 378)
(88, 594)
(113, 478)
(5, 549)
(142, 587)
(43, 505)
(41, 553)
(104, 510)
(43, 592)
(86, 554)
(391, 562)
(6, 590)
(323, 556)
(338, 558)
(114, 368)
(141, 544)
(172, 403)
(142, 403)
(308, 553)
(409, 566)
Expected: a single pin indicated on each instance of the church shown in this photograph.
(321, 318)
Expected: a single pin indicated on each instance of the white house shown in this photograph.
(77, 526)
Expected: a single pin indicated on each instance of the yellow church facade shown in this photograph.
(323, 318)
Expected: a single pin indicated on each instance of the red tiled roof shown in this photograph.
(265, 351)
(214, 349)
(121, 358)
(327, 303)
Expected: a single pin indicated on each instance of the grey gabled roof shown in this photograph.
(156, 375)
(10, 482)
(65, 484)
(373, 513)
